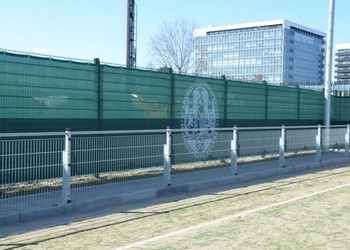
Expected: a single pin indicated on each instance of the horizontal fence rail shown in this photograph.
(48, 169)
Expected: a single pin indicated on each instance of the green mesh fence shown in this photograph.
(246, 101)
(340, 109)
(183, 86)
(134, 99)
(41, 88)
(311, 105)
(282, 103)
(132, 94)
(43, 94)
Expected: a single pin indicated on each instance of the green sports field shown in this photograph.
(308, 211)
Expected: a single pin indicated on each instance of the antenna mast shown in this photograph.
(131, 34)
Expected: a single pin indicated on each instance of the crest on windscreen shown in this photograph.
(199, 120)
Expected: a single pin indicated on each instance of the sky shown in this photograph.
(88, 29)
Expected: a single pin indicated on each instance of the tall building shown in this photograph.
(342, 64)
(279, 52)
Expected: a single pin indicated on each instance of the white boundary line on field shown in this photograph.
(229, 217)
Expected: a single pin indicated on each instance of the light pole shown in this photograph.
(328, 76)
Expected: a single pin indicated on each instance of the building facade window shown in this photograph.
(267, 51)
(342, 63)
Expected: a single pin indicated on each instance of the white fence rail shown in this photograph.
(48, 169)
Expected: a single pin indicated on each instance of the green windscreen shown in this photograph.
(33, 88)
(135, 94)
(45, 94)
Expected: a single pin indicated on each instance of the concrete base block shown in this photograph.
(194, 185)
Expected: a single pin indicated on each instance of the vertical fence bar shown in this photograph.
(172, 97)
(99, 94)
(223, 77)
(167, 158)
(234, 152)
(266, 101)
(281, 160)
(347, 138)
(318, 143)
(66, 160)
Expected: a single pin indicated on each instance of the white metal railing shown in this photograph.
(47, 169)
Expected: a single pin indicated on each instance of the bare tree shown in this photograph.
(259, 78)
(171, 46)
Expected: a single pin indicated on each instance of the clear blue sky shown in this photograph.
(87, 29)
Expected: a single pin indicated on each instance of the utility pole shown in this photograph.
(131, 34)
(328, 76)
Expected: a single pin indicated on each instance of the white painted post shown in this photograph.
(233, 168)
(347, 141)
(282, 142)
(167, 158)
(318, 143)
(328, 75)
(66, 160)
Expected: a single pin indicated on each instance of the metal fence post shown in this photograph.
(281, 160)
(318, 143)
(66, 160)
(347, 139)
(234, 152)
(167, 158)
(99, 94)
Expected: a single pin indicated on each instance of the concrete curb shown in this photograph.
(93, 205)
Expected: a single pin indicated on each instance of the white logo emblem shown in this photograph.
(199, 120)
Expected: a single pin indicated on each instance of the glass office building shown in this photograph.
(342, 64)
(279, 52)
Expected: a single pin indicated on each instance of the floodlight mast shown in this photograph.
(131, 34)
(328, 76)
